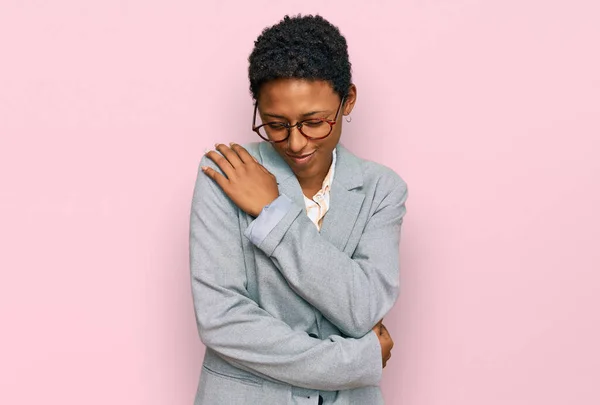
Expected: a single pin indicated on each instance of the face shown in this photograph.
(293, 100)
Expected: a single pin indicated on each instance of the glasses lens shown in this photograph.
(278, 131)
(315, 128)
(273, 131)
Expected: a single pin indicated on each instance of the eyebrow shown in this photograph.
(308, 114)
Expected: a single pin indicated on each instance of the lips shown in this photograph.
(301, 159)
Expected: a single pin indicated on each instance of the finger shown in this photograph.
(220, 161)
(216, 176)
(246, 157)
(390, 342)
(387, 358)
(379, 325)
(264, 169)
(229, 154)
(242, 153)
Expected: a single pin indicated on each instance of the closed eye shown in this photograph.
(275, 125)
(313, 123)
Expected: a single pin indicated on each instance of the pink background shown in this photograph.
(489, 109)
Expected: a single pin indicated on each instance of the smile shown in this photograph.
(301, 160)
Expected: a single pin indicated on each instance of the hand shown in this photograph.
(246, 182)
(385, 341)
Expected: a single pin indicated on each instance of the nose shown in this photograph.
(296, 141)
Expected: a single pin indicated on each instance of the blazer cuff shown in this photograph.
(268, 218)
(365, 358)
(374, 362)
(278, 229)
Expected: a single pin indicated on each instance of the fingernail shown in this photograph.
(204, 168)
(216, 144)
(206, 150)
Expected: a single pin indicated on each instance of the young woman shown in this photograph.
(294, 240)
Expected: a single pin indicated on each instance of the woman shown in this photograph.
(294, 240)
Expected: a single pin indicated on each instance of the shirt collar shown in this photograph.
(327, 181)
(329, 177)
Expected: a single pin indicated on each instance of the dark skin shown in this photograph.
(250, 186)
(293, 100)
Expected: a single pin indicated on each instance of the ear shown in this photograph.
(350, 100)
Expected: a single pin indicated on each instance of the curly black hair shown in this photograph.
(304, 47)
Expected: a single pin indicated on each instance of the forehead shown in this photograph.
(296, 95)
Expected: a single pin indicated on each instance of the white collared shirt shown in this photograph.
(317, 207)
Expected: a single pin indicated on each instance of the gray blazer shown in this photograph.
(291, 319)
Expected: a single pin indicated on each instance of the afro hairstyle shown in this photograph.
(303, 47)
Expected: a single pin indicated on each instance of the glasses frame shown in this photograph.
(299, 124)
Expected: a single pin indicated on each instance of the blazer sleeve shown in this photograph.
(242, 333)
(355, 292)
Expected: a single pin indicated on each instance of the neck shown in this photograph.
(312, 183)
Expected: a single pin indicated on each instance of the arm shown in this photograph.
(354, 293)
(234, 326)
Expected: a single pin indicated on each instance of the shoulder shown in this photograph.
(254, 149)
(382, 175)
(378, 177)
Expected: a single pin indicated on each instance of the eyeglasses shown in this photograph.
(313, 128)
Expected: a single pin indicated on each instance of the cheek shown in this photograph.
(279, 147)
(333, 139)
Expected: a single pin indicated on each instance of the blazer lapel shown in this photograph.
(345, 198)
(286, 180)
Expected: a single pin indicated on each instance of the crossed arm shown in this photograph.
(354, 293)
(235, 327)
(241, 332)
